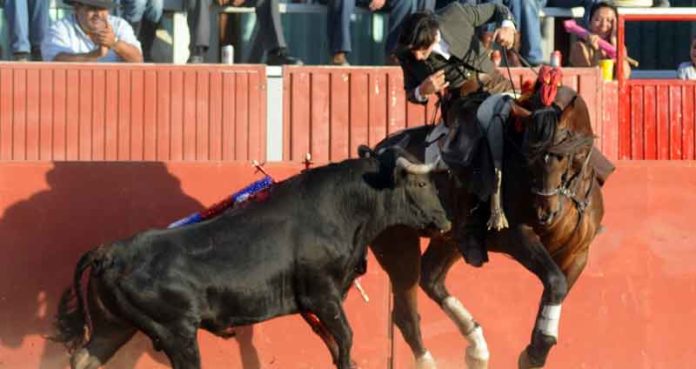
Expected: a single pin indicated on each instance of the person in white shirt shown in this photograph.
(91, 34)
(687, 70)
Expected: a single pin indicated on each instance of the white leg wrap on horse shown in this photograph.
(479, 347)
(549, 319)
(458, 313)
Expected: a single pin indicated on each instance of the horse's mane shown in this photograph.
(540, 132)
(543, 134)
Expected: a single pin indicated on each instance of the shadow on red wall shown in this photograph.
(43, 233)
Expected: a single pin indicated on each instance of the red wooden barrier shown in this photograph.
(633, 307)
(656, 116)
(95, 112)
(329, 111)
(658, 120)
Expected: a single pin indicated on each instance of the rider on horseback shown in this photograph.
(441, 53)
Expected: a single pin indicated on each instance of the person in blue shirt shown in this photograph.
(91, 34)
(28, 22)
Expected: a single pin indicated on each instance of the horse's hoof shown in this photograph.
(525, 363)
(476, 358)
(426, 361)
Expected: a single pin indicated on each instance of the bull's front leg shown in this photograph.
(533, 255)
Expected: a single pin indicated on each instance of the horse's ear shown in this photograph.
(518, 111)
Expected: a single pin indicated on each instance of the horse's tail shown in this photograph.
(73, 316)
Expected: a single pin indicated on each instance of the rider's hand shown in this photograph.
(434, 83)
(505, 37)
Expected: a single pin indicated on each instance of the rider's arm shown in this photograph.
(412, 79)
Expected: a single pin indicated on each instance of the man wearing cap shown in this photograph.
(90, 34)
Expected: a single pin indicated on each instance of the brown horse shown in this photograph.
(554, 209)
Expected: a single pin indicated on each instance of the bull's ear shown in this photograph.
(365, 151)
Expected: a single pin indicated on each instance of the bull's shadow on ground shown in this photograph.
(42, 236)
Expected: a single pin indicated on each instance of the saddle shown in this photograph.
(474, 144)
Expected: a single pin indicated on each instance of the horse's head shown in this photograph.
(557, 144)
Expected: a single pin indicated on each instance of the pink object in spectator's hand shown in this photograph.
(572, 27)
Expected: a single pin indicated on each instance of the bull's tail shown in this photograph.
(73, 316)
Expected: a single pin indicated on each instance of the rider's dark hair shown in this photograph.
(419, 31)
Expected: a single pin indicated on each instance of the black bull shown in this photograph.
(555, 250)
(297, 251)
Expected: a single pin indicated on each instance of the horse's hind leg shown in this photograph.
(398, 252)
(437, 261)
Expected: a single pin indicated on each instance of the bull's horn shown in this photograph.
(414, 168)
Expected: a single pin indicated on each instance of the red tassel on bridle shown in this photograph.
(549, 81)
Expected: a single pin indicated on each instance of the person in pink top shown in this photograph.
(603, 25)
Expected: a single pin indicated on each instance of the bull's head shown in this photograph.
(423, 208)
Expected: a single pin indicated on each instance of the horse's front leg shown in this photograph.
(531, 253)
(398, 252)
(437, 261)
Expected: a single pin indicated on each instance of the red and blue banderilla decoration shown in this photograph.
(257, 191)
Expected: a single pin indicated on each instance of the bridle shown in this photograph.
(568, 188)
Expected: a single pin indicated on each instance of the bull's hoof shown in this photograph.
(426, 361)
(525, 363)
(475, 360)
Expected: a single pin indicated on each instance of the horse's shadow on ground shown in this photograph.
(43, 235)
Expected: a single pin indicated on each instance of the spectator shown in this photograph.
(338, 22)
(587, 53)
(687, 70)
(586, 4)
(526, 15)
(270, 29)
(28, 22)
(91, 34)
(144, 16)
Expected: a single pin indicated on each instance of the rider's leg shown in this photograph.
(471, 230)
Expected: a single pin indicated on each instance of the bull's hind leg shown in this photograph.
(437, 261)
(105, 340)
(108, 333)
(398, 252)
(177, 338)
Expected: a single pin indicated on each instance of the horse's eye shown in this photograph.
(422, 184)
